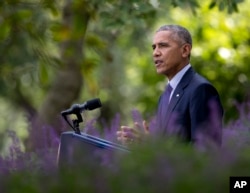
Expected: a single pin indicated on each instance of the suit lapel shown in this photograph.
(179, 92)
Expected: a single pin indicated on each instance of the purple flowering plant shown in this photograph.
(152, 166)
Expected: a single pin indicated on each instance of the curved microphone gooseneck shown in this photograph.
(77, 109)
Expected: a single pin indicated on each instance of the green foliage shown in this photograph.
(23, 38)
(220, 51)
(116, 61)
(117, 66)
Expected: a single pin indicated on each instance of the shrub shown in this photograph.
(156, 166)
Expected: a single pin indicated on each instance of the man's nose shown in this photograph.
(156, 52)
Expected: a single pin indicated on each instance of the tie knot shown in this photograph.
(169, 88)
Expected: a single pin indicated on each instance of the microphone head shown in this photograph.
(93, 104)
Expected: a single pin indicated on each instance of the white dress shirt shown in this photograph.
(176, 79)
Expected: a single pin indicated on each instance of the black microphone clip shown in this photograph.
(77, 109)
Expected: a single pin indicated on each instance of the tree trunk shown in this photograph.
(66, 87)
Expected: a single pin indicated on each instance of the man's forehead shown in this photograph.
(163, 33)
(162, 37)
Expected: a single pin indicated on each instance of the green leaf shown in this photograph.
(212, 5)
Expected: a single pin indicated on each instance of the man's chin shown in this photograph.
(159, 71)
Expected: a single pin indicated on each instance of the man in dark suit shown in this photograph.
(190, 105)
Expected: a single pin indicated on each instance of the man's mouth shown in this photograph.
(158, 62)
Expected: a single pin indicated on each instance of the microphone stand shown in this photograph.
(76, 122)
(76, 126)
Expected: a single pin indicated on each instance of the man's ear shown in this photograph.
(186, 50)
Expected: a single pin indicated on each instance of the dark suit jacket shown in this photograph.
(194, 109)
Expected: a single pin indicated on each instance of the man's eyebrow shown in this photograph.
(163, 43)
(160, 43)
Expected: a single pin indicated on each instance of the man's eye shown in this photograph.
(163, 45)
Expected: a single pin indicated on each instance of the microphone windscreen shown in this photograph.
(93, 104)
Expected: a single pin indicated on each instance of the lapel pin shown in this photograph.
(177, 95)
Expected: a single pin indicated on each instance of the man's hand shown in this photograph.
(128, 135)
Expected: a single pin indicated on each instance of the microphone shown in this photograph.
(78, 108)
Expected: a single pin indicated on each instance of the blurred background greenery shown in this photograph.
(56, 53)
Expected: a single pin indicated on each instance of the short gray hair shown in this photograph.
(182, 33)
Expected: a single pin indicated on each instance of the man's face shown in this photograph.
(169, 54)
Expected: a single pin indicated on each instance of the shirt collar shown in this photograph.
(176, 79)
